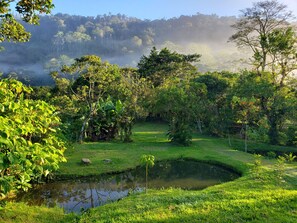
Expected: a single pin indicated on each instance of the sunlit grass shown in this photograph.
(22, 213)
(247, 199)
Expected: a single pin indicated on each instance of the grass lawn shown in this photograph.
(258, 196)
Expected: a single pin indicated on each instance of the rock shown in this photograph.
(107, 161)
(86, 161)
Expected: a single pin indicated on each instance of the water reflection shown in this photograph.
(77, 195)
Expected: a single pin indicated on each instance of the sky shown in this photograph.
(157, 9)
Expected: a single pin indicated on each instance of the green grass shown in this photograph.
(262, 148)
(148, 139)
(21, 213)
(255, 197)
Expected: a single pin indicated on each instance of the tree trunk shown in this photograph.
(83, 127)
(83, 130)
(264, 61)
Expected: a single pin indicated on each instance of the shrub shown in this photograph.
(271, 155)
(30, 146)
(180, 133)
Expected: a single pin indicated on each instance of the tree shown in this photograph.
(177, 101)
(245, 109)
(173, 104)
(56, 63)
(266, 104)
(265, 29)
(173, 95)
(105, 123)
(255, 26)
(282, 48)
(11, 29)
(100, 97)
(162, 64)
(215, 108)
(93, 81)
(30, 146)
(134, 94)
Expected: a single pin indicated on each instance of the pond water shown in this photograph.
(81, 194)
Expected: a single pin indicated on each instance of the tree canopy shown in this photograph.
(265, 28)
(159, 65)
(256, 25)
(11, 28)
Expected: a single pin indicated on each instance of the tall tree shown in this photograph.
(269, 105)
(266, 30)
(178, 101)
(256, 24)
(282, 48)
(10, 28)
(217, 86)
(159, 65)
(93, 80)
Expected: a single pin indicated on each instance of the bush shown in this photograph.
(271, 155)
(292, 136)
(180, 133)
(289, 157)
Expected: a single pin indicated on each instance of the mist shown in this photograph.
(120, 40)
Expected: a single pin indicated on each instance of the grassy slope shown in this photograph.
(148, 139)
(247, 199)
(22, 213)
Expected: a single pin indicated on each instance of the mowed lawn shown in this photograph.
(149, 138)
(258, 196)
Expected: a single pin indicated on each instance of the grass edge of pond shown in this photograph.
(242, 200)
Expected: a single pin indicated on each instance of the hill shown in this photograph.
(120, 39)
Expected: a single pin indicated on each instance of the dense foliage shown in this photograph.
(95, 100)
(101, 100)
(11, 28)
(30, 146)
(158, 66)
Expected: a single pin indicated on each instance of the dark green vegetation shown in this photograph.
(99, 101)
(97, 104)
(258, 196)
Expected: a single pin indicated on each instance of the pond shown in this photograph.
(81, 194)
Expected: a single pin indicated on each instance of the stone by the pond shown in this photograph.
(86, 161)
(107, 160)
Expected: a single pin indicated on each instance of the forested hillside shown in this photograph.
(121, 40)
